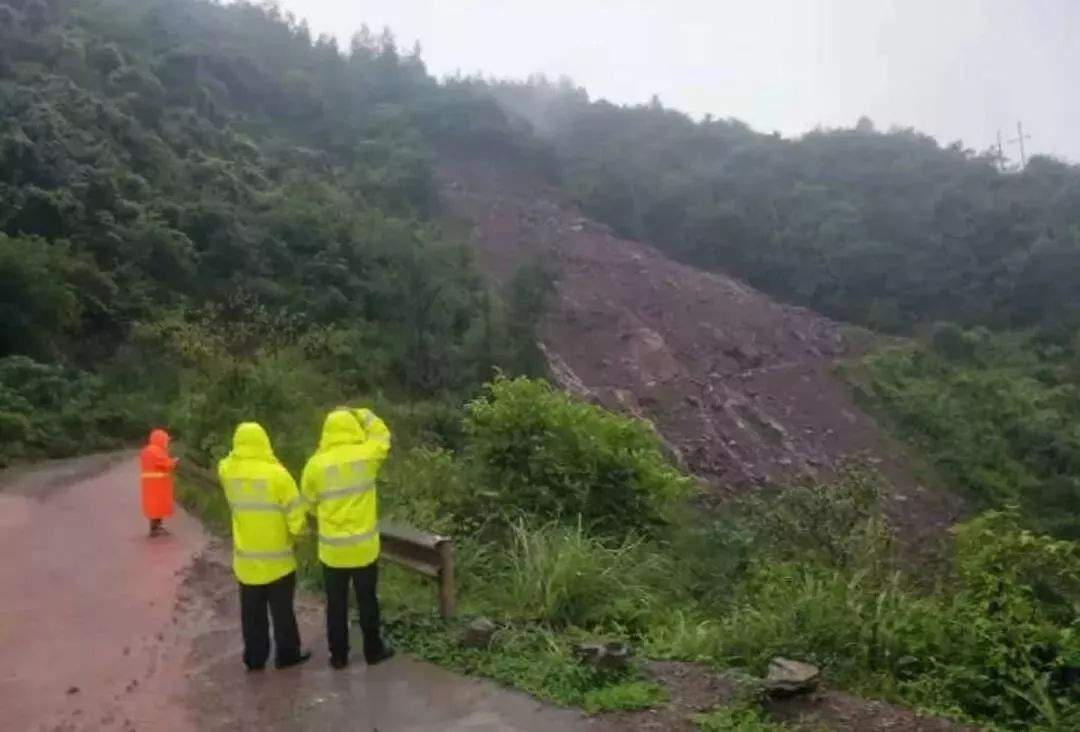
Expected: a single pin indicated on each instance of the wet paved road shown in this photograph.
(102, 628)
(85, 596)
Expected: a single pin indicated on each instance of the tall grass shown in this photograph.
(563, 576)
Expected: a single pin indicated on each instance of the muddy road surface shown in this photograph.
(102, 628)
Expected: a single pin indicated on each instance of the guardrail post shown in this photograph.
(447, 598)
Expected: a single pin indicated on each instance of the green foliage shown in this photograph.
(887, 229)
(544, 454)
(407, 495)
(808, 611)
(47, 411)
(737, 718)
(994, 641)
(562, 576)
(683, 633)
(840, 523)
(628, 696)
(37, 299)
(165, 164)
(998, 414)
(530, 290)
(530, 658)
(238, 369)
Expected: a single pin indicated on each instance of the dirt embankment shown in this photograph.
(742, 388)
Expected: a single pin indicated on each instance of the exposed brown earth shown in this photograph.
(742, 388)
(839, 712)
(694, 689)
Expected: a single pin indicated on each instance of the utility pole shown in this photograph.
(1020, 137)
(1000, 153)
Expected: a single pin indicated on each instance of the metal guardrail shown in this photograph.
(427, 554)
(430, 555)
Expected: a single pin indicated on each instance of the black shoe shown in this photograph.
(385, 654)
(339, 663)
(260, 667)
(296, 661)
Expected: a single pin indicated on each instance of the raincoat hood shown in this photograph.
(159, 438)
(341, 428)
(250, 442)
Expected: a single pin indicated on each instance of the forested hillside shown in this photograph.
(186, 188)
(885, 229)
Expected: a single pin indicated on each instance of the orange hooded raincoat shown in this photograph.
(157, 484)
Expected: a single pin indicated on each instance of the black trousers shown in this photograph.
(364, 581)
(254, 601)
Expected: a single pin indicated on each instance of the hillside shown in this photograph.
(976, 258)
(886, 228)
(741, 387)
(190, 190)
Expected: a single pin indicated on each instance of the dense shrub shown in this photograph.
(994, 643)
(542, 453)
(37, 302)
(999, 414)
(48, 411)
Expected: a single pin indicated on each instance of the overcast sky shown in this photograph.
(957, 69)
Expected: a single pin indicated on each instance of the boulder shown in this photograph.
(789, 678)
(478, 633)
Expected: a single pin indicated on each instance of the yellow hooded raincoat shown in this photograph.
(267, 511)
(338, 485)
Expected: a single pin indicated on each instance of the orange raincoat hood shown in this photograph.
(159, 438)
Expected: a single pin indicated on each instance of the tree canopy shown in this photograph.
(888, 229)
(186, 168)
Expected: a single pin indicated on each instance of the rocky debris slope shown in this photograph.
(740, 387)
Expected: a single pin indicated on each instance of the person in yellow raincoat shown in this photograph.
(267, 517)
(338, 485)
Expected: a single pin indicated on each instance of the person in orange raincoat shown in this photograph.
(157, 484)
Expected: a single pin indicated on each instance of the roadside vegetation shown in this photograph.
(998, 413)
(555, 553)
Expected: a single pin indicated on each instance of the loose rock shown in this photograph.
(478, 633)
(788, 678)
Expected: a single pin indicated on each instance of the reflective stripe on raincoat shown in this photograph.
(267, 511)
(338, 485)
